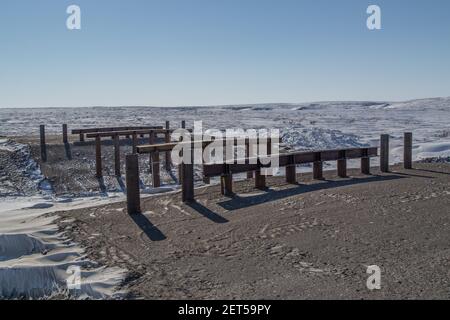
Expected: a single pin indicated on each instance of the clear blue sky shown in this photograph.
(204, 52)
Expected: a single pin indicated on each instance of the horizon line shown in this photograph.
(227, 105)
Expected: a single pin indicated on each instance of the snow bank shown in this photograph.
(37, 260)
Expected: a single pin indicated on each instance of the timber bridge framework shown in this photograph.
(250, 164)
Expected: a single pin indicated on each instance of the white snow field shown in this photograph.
(35, 255)
(319, 125)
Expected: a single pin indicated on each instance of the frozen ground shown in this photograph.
(34, 253)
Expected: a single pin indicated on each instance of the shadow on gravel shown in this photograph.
(238, 202)
(411, 175)
(432, 171)
(207, 213)
(150, 230)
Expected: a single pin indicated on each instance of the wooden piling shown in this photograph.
(269, 171)
(132, 183)
(117, 155)
(183, 124)
(180, 169)
(317, 167)
(365, 163)
(167, 154)
(384, 153)
(156, 178)
(151, 140)
(98, 157)
(291, 176)
(81, 137)
(134, 142)
(64, 130)
(187, 179)
(226, 182)
(407, 150)
(342, 165)
(260, 180)
(43, 144)
(247, 155)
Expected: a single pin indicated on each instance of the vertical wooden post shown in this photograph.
(98, 156)
(134, 143)
(132, 182)
(260, 180)
(206, 180)
(81, 137)
(226, 182)
(384, 153)
(151, 140)
(187, 179)
(365, 162)
(43, 144)
(180, 166)
(183, 124)
(247, 155)
(167, 140)
(342, 164)
(318, 167)
(407, 150)
(291, 176)
(269, 171)
(64, 130)
(156, 178)
(117, 155)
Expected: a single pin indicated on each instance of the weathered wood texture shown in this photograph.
(365, 163)
(291, 176)
(108, 129)
(64, 131)
(286, 159)
(43, 143)
(342, 164)
(98, 157)
(117, 156)
(127, 133)
(407, 150)
(167, 139)
(132, 184)
(187, 181)
(384, 153)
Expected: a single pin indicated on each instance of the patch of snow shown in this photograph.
(35, 256)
